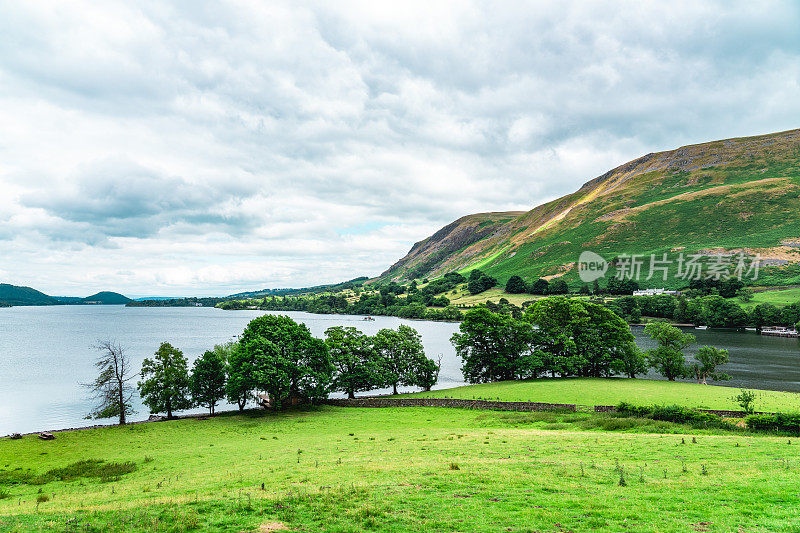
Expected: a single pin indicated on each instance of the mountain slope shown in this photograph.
(736, 194)
(107, 298)
(15, 295)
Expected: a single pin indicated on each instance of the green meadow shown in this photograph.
(778, 298)
(401, 469)
(611, 391)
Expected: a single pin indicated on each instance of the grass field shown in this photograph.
(611, 391)
(407, 469)
(463, 297)
(779, 298)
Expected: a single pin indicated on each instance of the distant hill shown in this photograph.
(729, 196)
(316, 289)
(15, 295)
(11, 295)
(107, 298)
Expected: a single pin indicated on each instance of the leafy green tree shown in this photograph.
(745, 295)
(475, 274)
(165, 385)
(790, 315)
(242, 383)
(601, 340)
(424, 372)
(399, 351)
(747, 400)
(558, 286)
(356, 363)
(667, 358)
(111, 387)
(540, 286)
(454, 278)
(708, 359)
(558, 321)
(479, 285)
(289, 362)
(516, 285)
(207, 381)
(630, 361)
(765, 315)
(495, 347)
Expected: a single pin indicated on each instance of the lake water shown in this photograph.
(46, 353)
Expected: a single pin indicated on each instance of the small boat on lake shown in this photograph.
(369, 318)
(779, 331)
(701, 327)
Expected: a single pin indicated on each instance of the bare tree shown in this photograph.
(111, 389)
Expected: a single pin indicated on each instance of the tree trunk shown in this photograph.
(241, 404)
(394, 388)
(121, 405)
(350, 394)
(169, 409)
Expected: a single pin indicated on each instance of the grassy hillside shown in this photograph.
(402, 469)
(611, 391)
(107, 298)
(15, 295)
(732, 195)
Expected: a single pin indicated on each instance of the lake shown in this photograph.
(46, 353)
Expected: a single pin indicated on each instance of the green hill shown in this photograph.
(107, 298)
(729, 196)
(11, 295)
(15, 295)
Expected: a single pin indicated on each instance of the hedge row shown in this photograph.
(674, 413)
(779, 423)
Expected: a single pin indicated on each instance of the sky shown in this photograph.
(193, 148)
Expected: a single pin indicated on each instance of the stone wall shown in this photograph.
(492, 405)
(452, 402)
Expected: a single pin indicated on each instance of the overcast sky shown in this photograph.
(159, 148)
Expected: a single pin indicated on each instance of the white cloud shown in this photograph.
(204, 148)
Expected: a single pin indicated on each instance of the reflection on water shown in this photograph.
(45, 352)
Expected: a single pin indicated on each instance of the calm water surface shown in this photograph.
(46, 352)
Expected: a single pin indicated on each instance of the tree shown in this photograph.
(745, 295)
(165, 385)
(558, 321)
(399, 351)
(630, 362)
(111, 388)
(475, 274)
(289, 363)
(479, 285)
(355, 361)
(207, 382)
(494, 347)
(601, 340)
(425, 372)
(667, 358)
(515, 285)
(558, 286)
(242, 381)
(708, 359)
(540, 286)
(765, 315)
(747, 400)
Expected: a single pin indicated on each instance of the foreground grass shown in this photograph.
(408, 469)
(611, 391)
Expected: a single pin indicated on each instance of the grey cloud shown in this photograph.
(266, 126)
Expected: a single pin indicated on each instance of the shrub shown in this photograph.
(780, 423)
(674, 413)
